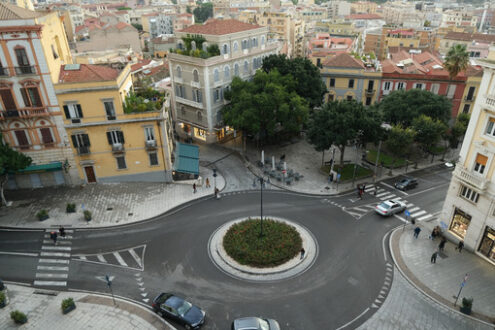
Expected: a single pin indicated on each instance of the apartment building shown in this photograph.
(322, 47)
(115, 135)
(34, 45)
(469, 39)
(199, 83)
(473, 82)
(363, 7)
(156, 24)
(459, 18)
(468, 213)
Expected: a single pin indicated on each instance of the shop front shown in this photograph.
(487, 246)
(460, 223)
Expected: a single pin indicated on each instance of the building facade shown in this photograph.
(112, 140)
(33, 46)
(469, 209)
(199, 83)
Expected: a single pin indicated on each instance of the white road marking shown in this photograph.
(359, 209)
(100, 258)
(413, 209)
(409, 205)
(83, 258)
(20, 254)
(424, 217)
(60, 241)
(54, 261)
(119, 259)
(417, 214)
(382, 194)
(136, 257)
(54, 268)
(55, 254)
(353, 320)
(50, 275)
(56, 248)
(49, 230)
(391, 196)
(50, 283)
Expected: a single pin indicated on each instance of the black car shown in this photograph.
(407, 183)
(170, 306)
(255, 323)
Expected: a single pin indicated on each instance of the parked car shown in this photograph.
(170, 306)
(255, 323)
(390, 207)
(407, 183)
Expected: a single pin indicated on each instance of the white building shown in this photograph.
(199, 83)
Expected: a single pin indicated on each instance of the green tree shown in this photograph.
(265, 107)
(456, 60)
(341, 122)
(137, 26)
(428, 132)
(306, 75)
(457, 131)
(203, 11)
(399, 141)
(11, 161)
(188, 10)
(402, 107)
(427, 23)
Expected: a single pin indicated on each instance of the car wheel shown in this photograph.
(188, 327)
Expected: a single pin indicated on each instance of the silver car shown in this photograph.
(255, 323)
(390, 207)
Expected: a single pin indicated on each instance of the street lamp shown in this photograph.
(386, 127)
(359, 133)
(262, 183)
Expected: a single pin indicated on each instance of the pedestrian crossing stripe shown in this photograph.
(126, 258)
(417, 214)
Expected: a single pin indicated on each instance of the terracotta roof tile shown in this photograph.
(121, 25)
(344, 60)
(470, 36)
(220, 27)
(87, 73)
(140, 64)
(364, 16)
(12, 12)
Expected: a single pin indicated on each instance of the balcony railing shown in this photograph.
(83, 150)
(490, 101)
(24, 113)
(469, 99)
(470, 178)
(4, 72)
(25, 69)
(117, 148)
(369, 91)
(150, 144)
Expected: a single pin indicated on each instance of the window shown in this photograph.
(46, 135)
(490, 128)
(451, 91)
(387, 85)
(246, 67)
(244, 44)
(400, 85)
(200, 116)
(153, 156)
(470, 95)
(7, 100)
(31, 97)
(236, 46)
(469, 194)
(262, 40)
(73, 111)
(368, 101)
(371, 84)
(22, 59)
(466, 108)
(180, 91)
(331, 97)
(121, 165)
(255, 42)
(418, 86)
(460, 223)
(81, 143)
(115, 137)
(226, 72)
(351, 83)
(54, 53)
(197, 95)
(349, 98)
(434, 88)
(196, 75)
(480, 163)
(217, 94)
(149, 134)
(236, 69)
(332, 82)
(109, 110)
(178, 71)
(487, 246)
(216, 75)
(22, 139)
(225, 49)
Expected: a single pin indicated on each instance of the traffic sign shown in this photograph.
(407, 213)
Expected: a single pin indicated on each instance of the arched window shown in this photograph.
(246, 67)
(236, 69)
(255, 42)
(204, 45)
(180, 45)
(225, 49)
(262, 40)
(178, 72)
(236, 46)
(195, 75)
(200, 116)
(193, 45)
(216, 75)
(244, 44)
(226, 72)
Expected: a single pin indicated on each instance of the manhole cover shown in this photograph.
(109, 208)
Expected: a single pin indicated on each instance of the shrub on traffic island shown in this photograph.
(42, 215)
(87, 215)
(68, 305)
(280, 243)
(18, 317)
(71, 208)
(3, 299)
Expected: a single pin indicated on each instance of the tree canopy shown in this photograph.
(203, 11)
(307, 78)
(399, 140)
(402, 107)
(456, 60)
(266, 106)
(428, 131)
(11, 161)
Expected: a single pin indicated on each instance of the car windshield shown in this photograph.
(182, 310)
(385, 205)
(264, 325)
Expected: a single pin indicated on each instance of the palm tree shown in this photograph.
(457, 60)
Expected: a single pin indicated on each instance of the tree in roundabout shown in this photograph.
(280, 243)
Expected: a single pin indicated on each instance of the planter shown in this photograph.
(18, 317)
(2, 304)
(43, 218)
(71, 208)
(87, 215)
(68, 309)
(465, 310)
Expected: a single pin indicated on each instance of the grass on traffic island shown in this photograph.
(347, 171)
(280, 243)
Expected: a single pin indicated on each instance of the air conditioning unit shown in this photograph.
(151, 144)
(116, 147)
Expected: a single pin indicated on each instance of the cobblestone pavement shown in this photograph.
(407, 308)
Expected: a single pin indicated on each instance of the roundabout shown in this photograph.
(296, 265)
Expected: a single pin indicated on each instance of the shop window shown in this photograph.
(460, 223)
(153, 156)
(200, 133)
(121, 164)
(490, 128)
(480, 163)
(469, 194)
(487, 246)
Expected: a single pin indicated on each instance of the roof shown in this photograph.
(364, 16)
(220, 27)
(344, 60)
(187, 158)
(121, 25)
(140, 64)
(86, 73)
(463, 36)
(12, 12)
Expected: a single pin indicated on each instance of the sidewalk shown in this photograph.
(92, 311)
(441, 281)
(110, 204)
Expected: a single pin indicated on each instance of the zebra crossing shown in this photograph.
(383, 194)
(53, 264)
(127, 258)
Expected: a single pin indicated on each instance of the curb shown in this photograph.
(418, 285)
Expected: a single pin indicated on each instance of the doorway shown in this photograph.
(90, 174)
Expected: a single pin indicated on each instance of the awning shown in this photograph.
(186, 158)
(55, 166)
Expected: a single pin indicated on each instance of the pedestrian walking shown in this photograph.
(61, 231)
(53, 236)
(217, 195)
(460, 246)
(417, 230)
(363, 187)
(441, 246)
(433, 259)
(375, 191)
(302, 252)
(194, 188)
(207, 183)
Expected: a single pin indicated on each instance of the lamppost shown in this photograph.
(359, 133)
(386, 127)
(262, 183)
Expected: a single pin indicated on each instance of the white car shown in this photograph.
(390, 207)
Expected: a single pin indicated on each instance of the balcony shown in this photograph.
(25, 69)
(369, 91)
(150, 144)
(470, 178)
(4, 72)
(117, 148)
(189, 102)
(83, 150)
(490, 101)
(469, 99)
(24, 113)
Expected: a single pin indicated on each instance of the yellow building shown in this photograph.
(471, 91)
(336, 28)
(362, 7)
(348, 78)
(113, 139)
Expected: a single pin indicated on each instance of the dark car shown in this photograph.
(407, 183)
(255, 323)
(178, 309)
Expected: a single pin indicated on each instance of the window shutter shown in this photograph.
(480, 159)
(74, 140)
(36, 96)
(109, 138)
(85, 138)
(79, 110)
(66, 111)
(25, 97)
(120, 136)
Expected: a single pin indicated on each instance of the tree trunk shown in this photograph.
(323, 158)
(2, 184)
(342, 149)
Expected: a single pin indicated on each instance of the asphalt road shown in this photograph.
(340, 289)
